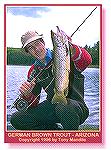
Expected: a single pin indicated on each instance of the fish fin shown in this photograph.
(66, 91)
(59, 98)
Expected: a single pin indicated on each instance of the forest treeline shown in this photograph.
(95, 52)
(17, 56)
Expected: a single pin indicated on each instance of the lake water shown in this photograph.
(16, 75)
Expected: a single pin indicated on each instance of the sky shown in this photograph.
(43, 19)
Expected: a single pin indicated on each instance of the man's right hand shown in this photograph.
(26, 88)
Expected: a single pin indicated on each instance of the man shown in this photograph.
(45, 115)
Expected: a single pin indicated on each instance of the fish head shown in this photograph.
(64, 39)
(56, 39)
(60, 39)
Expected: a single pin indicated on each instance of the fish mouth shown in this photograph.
(52, 33)
(58, 28)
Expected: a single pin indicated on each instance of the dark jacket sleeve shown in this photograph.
(76, 84)
(76, 91)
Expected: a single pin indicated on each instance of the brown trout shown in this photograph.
(61, 65)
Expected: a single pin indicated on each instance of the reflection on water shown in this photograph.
(91, 87)
(16, 75)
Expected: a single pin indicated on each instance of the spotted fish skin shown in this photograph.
(61, 65)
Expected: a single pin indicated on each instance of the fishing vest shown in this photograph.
(76, 82)
(79, 62)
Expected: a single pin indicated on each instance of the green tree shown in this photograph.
(94, 51)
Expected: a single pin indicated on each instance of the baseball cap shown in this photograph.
(29, 37)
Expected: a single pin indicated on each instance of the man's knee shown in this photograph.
(14, 121)
(69, 118)
(72, 115)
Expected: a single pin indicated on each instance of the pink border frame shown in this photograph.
(100, 139)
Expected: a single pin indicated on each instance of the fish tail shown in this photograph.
(59, 98)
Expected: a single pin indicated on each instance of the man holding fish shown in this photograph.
(59, 73)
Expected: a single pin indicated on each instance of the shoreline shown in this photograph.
(91, 66)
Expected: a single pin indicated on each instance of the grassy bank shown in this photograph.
(93, 66)
(17, 56)
(81, 128)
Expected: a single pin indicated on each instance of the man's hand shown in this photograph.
(26, 88)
